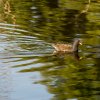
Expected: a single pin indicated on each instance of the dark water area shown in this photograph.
(29, 68)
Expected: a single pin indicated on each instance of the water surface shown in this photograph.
(29, 69)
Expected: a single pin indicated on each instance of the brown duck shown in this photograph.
(59, 47)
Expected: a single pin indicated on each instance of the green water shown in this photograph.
(29, 69)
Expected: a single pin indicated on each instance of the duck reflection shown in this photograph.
(61, 54)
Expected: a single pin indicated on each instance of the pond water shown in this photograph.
(29, 68)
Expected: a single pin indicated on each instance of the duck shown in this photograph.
(62, 47)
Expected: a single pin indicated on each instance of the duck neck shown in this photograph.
(75, 45)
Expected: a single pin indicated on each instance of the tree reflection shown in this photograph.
(64, 76)
(6, 14)
(67, 78)
(56, 22)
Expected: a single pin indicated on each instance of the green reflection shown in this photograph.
(69, 78)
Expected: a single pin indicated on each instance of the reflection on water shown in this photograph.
(29, 67)
(5, 82)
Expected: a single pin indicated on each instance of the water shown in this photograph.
(29, 68)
